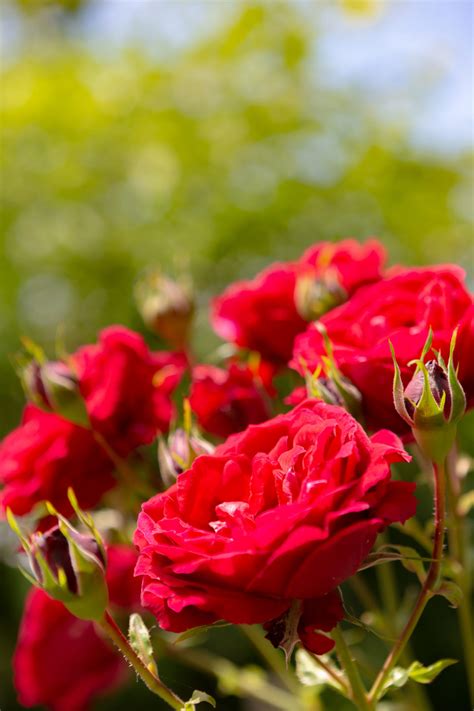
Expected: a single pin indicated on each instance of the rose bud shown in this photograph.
(68, 565)
(316, 296)
(334, 388)
(432, 403)
(438, 383)
(54, 387)
(178, 453)
(167, 308)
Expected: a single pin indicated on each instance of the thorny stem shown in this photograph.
(428, 588)
(111, 629)
(357, 689)
(457, 544)
(388, 589)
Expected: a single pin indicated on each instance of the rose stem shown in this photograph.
(357, 689)
(457, 544)
(272, 657)
(111, 629)
(428, 587)
(388, 591)
(368, 599)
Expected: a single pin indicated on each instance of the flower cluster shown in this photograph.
(247, 502)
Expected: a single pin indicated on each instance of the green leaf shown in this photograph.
(408, 557)
(310, 673)
(397, 678)
(198, 697)
(194, 631)
(139, 637)
(451, 591)
(425, 675)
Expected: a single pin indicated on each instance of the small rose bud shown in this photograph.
(68, 565)
(167, 308)
(438, 382)
(314, 296)
(432, 403)
(338, 391)
(54, 387)
(333, 387)
(179, 452)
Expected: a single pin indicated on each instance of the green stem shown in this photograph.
(357, 689)
(457, 544)
(428, 587)
(113, 631)
(388, 590)
(273, 658)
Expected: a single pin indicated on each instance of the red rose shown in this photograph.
(282, 512)
(401, 309)
(226, 401)
(349, 263)
(127, 388)
(62, 662)
(261, 314)
(44, 456)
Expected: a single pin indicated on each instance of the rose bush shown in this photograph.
(261, 314)
(401, 309)
(284, 511)
(62, 662)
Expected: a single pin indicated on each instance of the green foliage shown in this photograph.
(417, 672)
(217, 161)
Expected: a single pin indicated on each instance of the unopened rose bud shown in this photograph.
(167, 308)
(333, 387)
(438, 382)
(178, 453)
(339, 392)
(432, 403)
(54, 387)
(314, 296)
(68, 565)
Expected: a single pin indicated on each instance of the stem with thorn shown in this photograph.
(113, 631)
(428, 588)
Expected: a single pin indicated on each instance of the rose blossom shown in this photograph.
(62, 662)
(261, 314)
(227, 400)
(127, 388)
(282, 512)
(400, 308)
(44, 456)
(127, 391)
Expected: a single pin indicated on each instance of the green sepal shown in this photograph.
(398, 389)
(458, 397)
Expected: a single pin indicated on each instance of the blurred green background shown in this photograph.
(209, 139)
